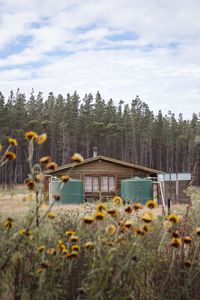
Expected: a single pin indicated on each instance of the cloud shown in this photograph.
(121, 48)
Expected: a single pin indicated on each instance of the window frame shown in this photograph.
(100, 183)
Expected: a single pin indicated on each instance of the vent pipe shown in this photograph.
(95, 151)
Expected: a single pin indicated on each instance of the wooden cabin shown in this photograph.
(102, 175)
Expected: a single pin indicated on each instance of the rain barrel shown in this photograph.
(71, 192)
(137, 189)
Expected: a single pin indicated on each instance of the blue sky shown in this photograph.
(122, 48)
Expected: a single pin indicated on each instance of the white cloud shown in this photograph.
(164, 74)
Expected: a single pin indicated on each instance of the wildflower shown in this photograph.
(76, 157)
(117, 200)
(89, 245)
(40, 249)
(65, 251)
(70, 232)
(174, 218)
(99, 216)
(51, 166)
(111, 229)
(101, 207)
(175, 234)
(76, 248)
(29, 135)
(51, 251)
(39, 270)
(12, 141)
(88, 219)
(175, 242)
(45, 264)
(198, 231)
(41, 138)
(128, 209)
(187, 263)
(73, 238)
(139, 231)
(30, 184)
(113, 212)
(45, 160)
(9, 155)
(128, 224)
(56, 196)
(64, 178)
(26, 232)
(137, 206)
(72, 254)
(51, 215)
(9, 223)
(151, 204)
(187, 240)
(147, 217)
(1, 147)
(60, 242)
(145, 228)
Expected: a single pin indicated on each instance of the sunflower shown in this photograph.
(128, 224)
(45, 160)
(88, 220)
(89, 245)
(30, 184)
(76, 157)
(72, 254)
(65, 251)
(40, 249)
(70, 232)
(99, 216)
(137, 206)
(12, 141)
(128, 209)
(39, 270)
(101, 207)
(76, 248)
(73, 238)
(64, 178)
(41, 138)
(51, 215)
(175, 242)
(174, 218)
(9, 155)
(51, 166)
(151, 204)
(139, 231)
(187, 240)
(9, 223)
(111, 229)
(25, 232)
(29, 135)
(117, 200)
(147, 217)
(176, 234)
(112, 212)
(51, 251)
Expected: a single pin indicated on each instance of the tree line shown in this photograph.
(130, 132)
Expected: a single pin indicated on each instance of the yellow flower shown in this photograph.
(51, 251)
(128, 209)
(128, 224)
(51, 166)
(64, 178)
(113, 212)
(1, 147)
(77, 157)
(72, 254)
(12, 141)
(39, 270)
(9, 155)
(65, 251)
(198, 231)
(175, 234)
(24, 231)
(88, 219)
(76, 248)
(175, 242)
(137, 206)
(41, 138)
(31, 135)
(111, 229)
(147, 217)
(89, 245)
(99, 216)
(187, 240)
(40, 249)
(101, 207)
(60, 242)
(45, 160)
(70, 232)
(139, 231)
(151, 204)
(9, 223)
(117, 200)
(73, 238)
(174, 218)
(51, 215)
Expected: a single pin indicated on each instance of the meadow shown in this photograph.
(96, 251)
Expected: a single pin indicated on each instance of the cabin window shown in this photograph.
(100, 183)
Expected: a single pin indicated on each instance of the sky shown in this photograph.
(121, 48)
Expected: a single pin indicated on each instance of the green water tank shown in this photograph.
(137, 189)
(71, 192)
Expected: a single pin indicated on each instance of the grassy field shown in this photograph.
(98, 251)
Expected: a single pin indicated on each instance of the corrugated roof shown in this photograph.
(105, 158)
